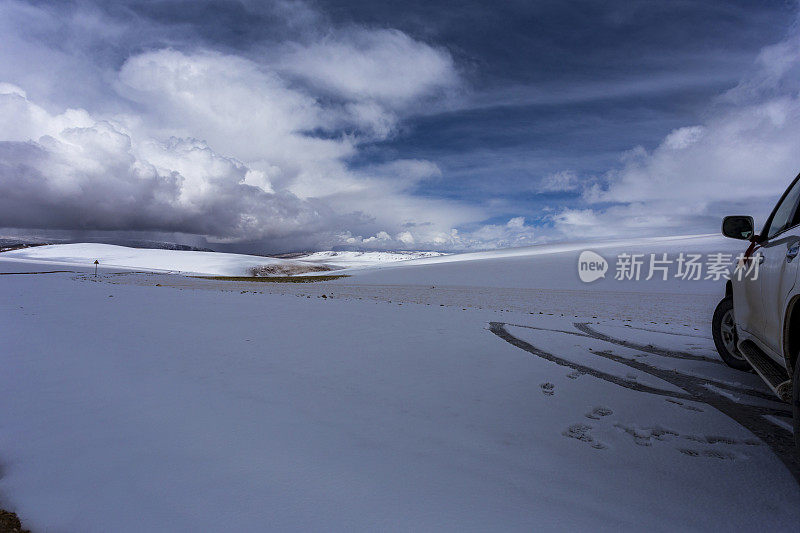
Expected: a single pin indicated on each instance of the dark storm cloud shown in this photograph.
(39, 189)
(419, 124)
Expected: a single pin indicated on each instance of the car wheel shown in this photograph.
(725, 337)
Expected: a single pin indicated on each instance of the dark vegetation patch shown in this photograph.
(275, 279)
(42, 272)
(9, 523)
(288, 269)
(7, 245)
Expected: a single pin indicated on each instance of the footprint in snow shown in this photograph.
(646, 436)
(548, 388)
(714, 454)
(599, 412)
(582, 433)
(716, 439)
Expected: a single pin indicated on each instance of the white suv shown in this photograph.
(757, 324)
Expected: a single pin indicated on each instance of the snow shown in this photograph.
(349, 259)
(122, 257)
(191, 262)
(170, 403)
(541, 266)
(553, 266)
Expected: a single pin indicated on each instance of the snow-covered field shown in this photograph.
(498, 393)
(191, 262)
(554, 266)
(121, 257)
(348, 259)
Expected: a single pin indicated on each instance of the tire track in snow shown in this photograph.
(647, 348)
(695, 388)
(655, 351)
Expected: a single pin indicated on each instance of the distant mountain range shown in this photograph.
(15, 243)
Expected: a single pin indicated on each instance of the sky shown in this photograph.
(285, 126)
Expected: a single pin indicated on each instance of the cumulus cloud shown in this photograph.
(231, 147)
(738, 161)
(81, 173)
(385, 66)
(515, 232)
(137, 124)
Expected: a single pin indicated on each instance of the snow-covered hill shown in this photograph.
(198, 262)
(541, 266)
(346, 259)
(121, 257)
(555, 266)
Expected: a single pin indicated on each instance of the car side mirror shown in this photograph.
(738, 227)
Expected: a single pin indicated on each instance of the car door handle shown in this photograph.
(791, 253)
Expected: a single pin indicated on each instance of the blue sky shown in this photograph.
(269, 126)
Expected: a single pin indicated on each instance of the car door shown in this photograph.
(747, 297)
(778, 267)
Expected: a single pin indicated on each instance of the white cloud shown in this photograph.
(230, 147)
(563, 181)
(259, 145)
(683, 137)
(385, 66)
(94, 176)
(513, 233)
(516, 223)
(8, 88)
(738, 161)
(406, 238)
(381, 236)
(235, 105)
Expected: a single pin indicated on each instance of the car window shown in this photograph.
(785, 213)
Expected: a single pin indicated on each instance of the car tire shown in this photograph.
(725, 337)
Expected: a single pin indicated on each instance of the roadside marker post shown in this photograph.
(96, 262)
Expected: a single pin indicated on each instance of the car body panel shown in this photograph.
(747, 299)
(778, 276)
(744, 336)
(762, 305)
